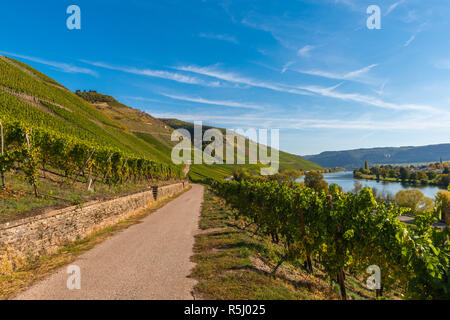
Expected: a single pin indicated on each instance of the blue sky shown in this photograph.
(310, 68)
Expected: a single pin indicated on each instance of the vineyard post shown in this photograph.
(84, 166)
(30, 160)
(107, 160)
(341, 281)
(3, 146)
(125, 164)
(91, 183)
(308, 262)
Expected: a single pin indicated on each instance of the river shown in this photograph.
(347, 182)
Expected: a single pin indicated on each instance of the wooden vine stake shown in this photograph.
(91, 182)
(30, 161)
(3, 151)
(84, 166)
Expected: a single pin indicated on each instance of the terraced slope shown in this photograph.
(30, 96)
(287, 160)
(38, 101)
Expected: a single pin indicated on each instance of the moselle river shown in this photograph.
(347, 182)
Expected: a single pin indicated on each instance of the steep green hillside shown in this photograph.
(287, 160)
(38, 101)
(352, 159)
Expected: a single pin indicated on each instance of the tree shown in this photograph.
(240, 174)
(431, 175)
(422, 175)
(366, 165)
(292, 175)
(444, 180)
(357, 187)
(404, 174)
(415, 200)
(315, 180)
(443, 205)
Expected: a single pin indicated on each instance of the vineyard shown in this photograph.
(345, 234)
(31, 97)
(32, 149)
(47, 127)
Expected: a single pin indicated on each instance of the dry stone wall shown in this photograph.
(48, 232)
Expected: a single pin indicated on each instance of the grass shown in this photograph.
(33, 270)
(17, 200)
(234, 263)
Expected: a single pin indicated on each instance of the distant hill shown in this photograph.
(351, 159)
(287, 160)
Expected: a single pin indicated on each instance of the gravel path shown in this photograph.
(150, 260)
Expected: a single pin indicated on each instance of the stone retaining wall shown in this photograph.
(48, 232)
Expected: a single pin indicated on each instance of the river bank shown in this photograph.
(346, 180)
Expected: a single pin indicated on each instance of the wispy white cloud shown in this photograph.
(329, 92)
(348, 3)
(266, 28)
(394, 6)
(286, 66)
(380, 91)
(174, 76)
(61, 66)
(258, 120)
(232, 104)
(346, 76)
(235, 78)
(223, 37)
(368, 100)
(411, 39)
(306, 51)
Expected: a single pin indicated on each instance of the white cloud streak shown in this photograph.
(407, 43)
(347, 76)
(308, 90)
(223, 37)
(231, 104)
(305, 51)
(155, 74)
(61, 66)
(394, 6)
(286, 66)
(368, 100)
(252, 120)
(234, 78)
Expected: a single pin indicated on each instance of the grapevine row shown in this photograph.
(346, 233)
(33, 149)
